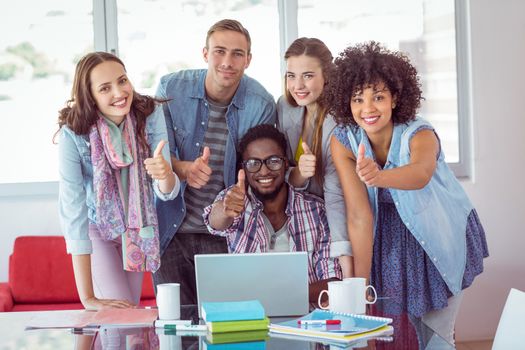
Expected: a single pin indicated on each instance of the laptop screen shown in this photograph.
(278, 280)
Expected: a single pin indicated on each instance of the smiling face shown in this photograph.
(227, 56)
(265, 183)
(304, 79)
(372, 108)
(111, 90)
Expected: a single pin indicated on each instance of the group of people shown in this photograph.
(341, 167)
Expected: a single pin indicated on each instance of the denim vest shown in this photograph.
(76, 198)
(187, 119)
(437, 214)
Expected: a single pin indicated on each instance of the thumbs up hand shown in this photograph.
(233, 202)
(199, 172)
(366, 168)
(307, 162)
(157, 167)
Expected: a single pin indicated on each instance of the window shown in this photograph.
(39, 47)
(174, 38)
(424, 29)
(46, 39)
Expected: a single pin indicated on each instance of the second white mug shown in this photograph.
(348, 296)
(168, 301)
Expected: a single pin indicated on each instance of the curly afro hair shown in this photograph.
(369, 64)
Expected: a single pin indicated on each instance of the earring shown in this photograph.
(393, 105)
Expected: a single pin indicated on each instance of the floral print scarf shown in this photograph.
(137, 224)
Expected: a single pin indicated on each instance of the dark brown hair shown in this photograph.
(369, 64)
(229, 24)
(81, 112)
(314, 48)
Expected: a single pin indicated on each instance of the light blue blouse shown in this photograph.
(76, 196)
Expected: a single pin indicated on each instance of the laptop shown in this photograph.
(278, 280)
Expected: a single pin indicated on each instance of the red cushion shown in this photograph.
(148, 302)
(41, 277)
(147, 286)
(6, 299)
(40, 271)
(46, 307)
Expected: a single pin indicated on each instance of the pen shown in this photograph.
(319, 321)
(186, 327)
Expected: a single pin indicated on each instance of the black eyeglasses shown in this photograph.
(253, 165)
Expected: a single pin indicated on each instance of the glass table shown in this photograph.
(408, 334)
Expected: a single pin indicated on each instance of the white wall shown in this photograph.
(497, 190)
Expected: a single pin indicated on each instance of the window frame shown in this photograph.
(105, 36)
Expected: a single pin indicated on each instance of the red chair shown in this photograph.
(41, 277)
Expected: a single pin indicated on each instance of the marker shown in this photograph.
(186, 327)
(319, 321)
(164, 323)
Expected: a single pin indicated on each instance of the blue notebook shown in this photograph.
(351, 327)
(232, 311)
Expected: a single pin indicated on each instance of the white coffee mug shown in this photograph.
(359, 292)
(347, 296)
(168, 301)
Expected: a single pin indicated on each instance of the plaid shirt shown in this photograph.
(307, 227)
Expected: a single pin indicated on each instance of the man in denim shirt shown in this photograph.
(207, 113)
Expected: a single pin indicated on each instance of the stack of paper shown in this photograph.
(346, 328)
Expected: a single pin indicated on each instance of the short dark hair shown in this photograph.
(371, 63)
(263, 131)
(229, 24)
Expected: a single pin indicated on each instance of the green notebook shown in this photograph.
(238, 326)
(236, 337)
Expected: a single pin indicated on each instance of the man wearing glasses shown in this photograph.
(269, 215)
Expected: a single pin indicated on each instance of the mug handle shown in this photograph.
(375, 295)
(319, 300)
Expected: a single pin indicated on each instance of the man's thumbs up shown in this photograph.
(241, 181)
(205, 154)
(199, 173)
(233, 201)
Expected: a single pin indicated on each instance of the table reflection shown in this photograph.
(409, 333)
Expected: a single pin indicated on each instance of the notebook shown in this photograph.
(351, 327)
(278, 280)
(232, 310)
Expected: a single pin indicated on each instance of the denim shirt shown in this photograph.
(290, 122)
(187, 119)
(437, 214)
(76, 198)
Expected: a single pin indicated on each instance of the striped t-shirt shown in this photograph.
(197, 199)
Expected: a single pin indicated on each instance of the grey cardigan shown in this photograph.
(289, 121)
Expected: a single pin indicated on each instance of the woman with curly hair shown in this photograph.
(413, 230)
(303, 118)
(111, 146)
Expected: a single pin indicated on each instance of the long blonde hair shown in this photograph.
(313, 47)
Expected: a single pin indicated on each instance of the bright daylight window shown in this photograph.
(425, 29)
(175, 38)
(40, 44)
